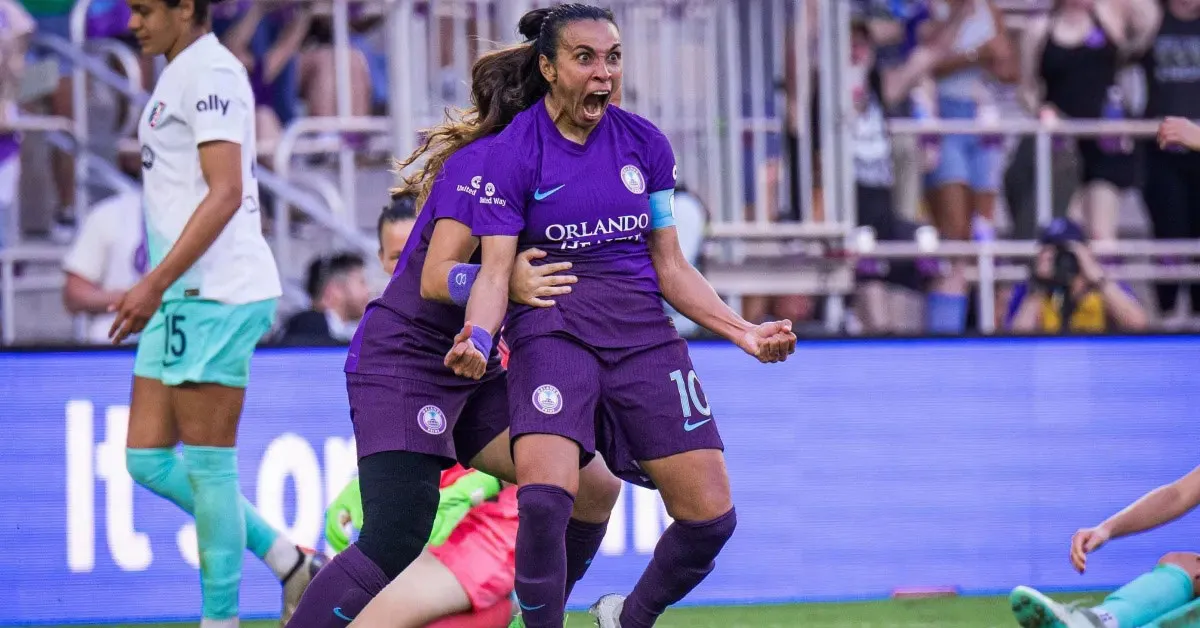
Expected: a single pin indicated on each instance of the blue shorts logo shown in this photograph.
(337, 612)
(689, 426)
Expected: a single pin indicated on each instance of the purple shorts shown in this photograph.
(452, 422)
(639, 403)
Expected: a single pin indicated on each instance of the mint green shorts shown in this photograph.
(202, 342)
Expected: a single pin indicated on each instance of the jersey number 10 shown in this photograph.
(688, 397)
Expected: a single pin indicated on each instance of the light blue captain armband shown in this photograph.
(662, 209)
(459, 282)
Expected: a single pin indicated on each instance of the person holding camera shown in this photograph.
(1068, 284)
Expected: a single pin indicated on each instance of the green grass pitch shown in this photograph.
(954, 612)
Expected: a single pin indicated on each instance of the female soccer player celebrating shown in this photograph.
(209, 298)
(592, 184)
(412, 417)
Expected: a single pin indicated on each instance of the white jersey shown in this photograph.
(202, 96)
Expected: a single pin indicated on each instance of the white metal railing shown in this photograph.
(344, 209)
(9, 257)
(1043, 133)
(837, 279)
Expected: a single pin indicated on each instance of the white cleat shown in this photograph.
(296, 581)
(1033, 609)
(607, 610)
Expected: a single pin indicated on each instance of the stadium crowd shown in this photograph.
(947, 59)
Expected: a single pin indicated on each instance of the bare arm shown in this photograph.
(1003, 61)
(1126, 312)
(689, 292)
(238, 37)
(1142, 19)
(288, 44)
(81, 296)
(1160, 506)
(1029, 88)
(899, 82)
(1028, 318)
(489, 295)
(221, 165)
(450, 245)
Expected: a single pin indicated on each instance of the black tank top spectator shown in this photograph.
(1172, 185)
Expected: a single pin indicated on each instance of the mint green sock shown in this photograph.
(161, 471)
(220, 527)
(1186, 616)
(1149, 596)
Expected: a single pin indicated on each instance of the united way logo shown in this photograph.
(156, 113)
(547, 399)
(147, 157)
(432, 420)
(489, 189)
(633, 180)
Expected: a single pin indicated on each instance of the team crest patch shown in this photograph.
(156, 113)
(633, 180)
(432, 420)
(547, 399)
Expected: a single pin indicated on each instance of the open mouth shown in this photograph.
(594, 104)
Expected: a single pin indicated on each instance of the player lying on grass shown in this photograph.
(464, 578)
(1165, 596)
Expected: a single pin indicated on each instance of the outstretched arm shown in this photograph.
(690, 293)
(1158, 507)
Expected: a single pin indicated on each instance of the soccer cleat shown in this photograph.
(1033, 609)
(607, 610)
(297, 581)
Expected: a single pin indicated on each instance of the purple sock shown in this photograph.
(682, 559)
(339, 592)
(583, 541)
(543, 512)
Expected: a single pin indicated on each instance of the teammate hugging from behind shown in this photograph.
(1160, 598)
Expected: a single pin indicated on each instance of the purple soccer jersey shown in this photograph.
(402, 396)
(402, 334)
(589, 205)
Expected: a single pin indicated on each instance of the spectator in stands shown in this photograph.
(266, 68)
(1068, 284)
(105, 19)
(1172, 178)
(395, 225)
(318, 82)
(1070, 60)
(337, 285)
(108, 257)
(964, 183)
(53, 18)
(16, 25)
(691, 220)
(875, 89)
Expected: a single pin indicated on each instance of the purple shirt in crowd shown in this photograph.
(585, 204)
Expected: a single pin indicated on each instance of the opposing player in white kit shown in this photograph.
(208, 299)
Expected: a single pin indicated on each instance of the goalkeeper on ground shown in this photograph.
(468, 566)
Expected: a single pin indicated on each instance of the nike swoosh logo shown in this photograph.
(340, 615)
(529, 608)
(539, 195)
(688, 426)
